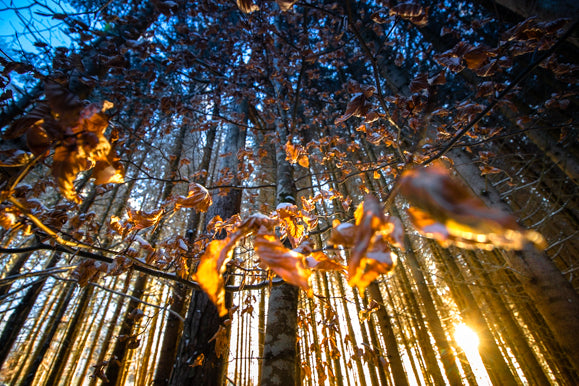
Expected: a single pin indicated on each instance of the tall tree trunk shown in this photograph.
(280, 356)
(181, 294)
(553, 295)
(389, 337)
(120, 351)
(490, 353)
(203, 321)
(47, 337)
(20, 314)
(69, 338)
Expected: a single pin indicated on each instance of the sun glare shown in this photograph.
(466, 338)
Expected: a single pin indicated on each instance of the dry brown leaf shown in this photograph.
(88, 271)
(288, 264)
(198, 198)
(221, 341)
(141, 219)
(247, 6)
(357, 107)
(319, 261)
(82, 147)
(446, 210)
(371, 254)
(106, 173)
(37, 140)
(292, 222)
(285, 5)
(412, 12)
(343, 234)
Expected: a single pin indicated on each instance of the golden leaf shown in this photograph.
(247, 6)
(292, 223)
(446, 210)
(288, 264)
(319, 261)
(371, 254)
(198, 198)
(105, 173)
(303, 161)
(142, 219)
(212, 266)
(198, 361)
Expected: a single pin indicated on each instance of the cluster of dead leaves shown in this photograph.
(290, 264)
(296, 153)
(76, 133)
(480, 58)
(370, 238)
(409, 11)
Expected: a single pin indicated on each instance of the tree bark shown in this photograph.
(203, 321)
(553, 295)
(280, 357)
(20, 314)
(389, 337)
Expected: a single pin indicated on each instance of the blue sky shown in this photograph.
(22, 24)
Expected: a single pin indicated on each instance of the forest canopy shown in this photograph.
(282, 192)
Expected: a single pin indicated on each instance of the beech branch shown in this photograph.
(143, 269)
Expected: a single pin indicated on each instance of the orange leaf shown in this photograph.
(288, 264)
(247, 6)
(343, 234)
(211, 268)
(106, 173)
(142, 219)
(447, 211)
(292, 222)
(198, 198)
(319, 261)
(291, 152)
(83, 146)
(198, 361)
(357, 107)
(371, 255)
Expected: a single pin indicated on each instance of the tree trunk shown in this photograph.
(552, 294)
(203, 321)
(280, 357)
(181, 294)
(389, 337)
(20, 314)
(46, 339)
(69, 338)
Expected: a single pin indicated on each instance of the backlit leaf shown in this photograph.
(288, 264)
(371, 255)
(142, 219)
(198, 198)
(211, 268)
(319, 261)
(247, 6)
(446, 210)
